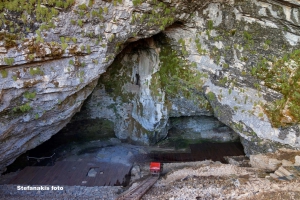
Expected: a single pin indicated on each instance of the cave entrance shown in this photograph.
(199, 138)
(75, 135)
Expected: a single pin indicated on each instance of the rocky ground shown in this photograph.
(190, 180)
(213, 180)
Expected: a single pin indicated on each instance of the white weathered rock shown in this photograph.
(264, 162)
(297, 160)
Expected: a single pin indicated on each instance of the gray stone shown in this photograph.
(92, 173)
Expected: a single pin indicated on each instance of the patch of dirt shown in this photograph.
(284, 154)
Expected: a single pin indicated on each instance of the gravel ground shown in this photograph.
(221, 181)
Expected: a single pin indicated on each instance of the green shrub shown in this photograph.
(29, 95)
(9, 61)
(80, 23)
(176, 75)
(82, 7)
(36, 71)
(91, 2)
(268, 42)
(71, 62)
(74, 39)
(105, 9)
(111, 38)
(199, 47)
(42, 13)
(64, 46)
(210, 25)
(82, 48)
(88, 48)
(232, 32)
(30, 57)
(23, 108)
(4, 73)
(280, 77)
(247, 35)
(211, 96)
(137, 2)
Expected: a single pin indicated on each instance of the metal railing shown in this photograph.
(41, 158)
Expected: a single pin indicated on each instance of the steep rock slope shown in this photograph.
(50, 64)
(146, 85)
(51, 58)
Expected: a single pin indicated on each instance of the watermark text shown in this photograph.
(19, 187)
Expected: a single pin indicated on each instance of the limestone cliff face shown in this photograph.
(244, 55)
(139, 94)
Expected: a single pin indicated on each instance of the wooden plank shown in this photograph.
(84, 177)
(66, 173)
(138, 191)
(59, 176)
(22, 177)
(91, 181)
(31, 174)
(76, 173)
(79, 174)
(122, 171)
(49, 174)
(110, 174)
(52, 174)
(100, 178)
(39, 174)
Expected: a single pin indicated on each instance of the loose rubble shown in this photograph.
(222, 181)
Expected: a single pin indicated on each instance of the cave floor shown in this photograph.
(74, 173)
(112, 161)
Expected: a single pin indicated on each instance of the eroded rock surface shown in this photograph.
(49, 71)
(272, 161)
(202, 128)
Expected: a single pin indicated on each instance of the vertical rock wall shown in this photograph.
(234, 49)
(131, 95)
